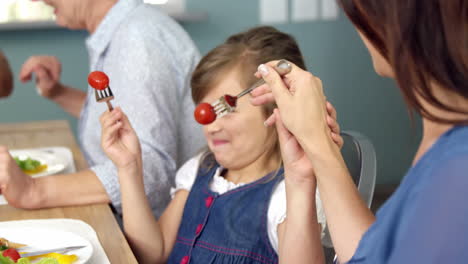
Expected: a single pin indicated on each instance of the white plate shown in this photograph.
(55, 164)
(43, 239)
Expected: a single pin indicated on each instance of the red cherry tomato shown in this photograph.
(12, 253)
(204, 114)
(98, 80)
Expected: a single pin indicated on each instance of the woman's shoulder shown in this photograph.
(447, 168)
(452, 153)
(454, 141)
(449, 155)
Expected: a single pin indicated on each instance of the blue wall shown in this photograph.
(333, 51)
(25, 104)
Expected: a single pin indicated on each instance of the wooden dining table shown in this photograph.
(99, 216)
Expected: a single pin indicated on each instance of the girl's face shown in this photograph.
(240, 138)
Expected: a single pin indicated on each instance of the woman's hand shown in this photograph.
(119, 140)
(291, 93)
(300, 99)
(47, 70)
(331, 121)
(295, 159)
(303, 112)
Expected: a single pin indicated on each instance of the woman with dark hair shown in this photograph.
(423, 45)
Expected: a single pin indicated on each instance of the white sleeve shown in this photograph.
(186, 175)
(277, 213)
(322, 220)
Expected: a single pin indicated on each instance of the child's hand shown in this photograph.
(294, 158)
(333, 125)
(119, 140)
(331, 122)
(297, 166)
(302, 104)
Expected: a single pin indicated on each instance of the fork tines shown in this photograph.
(104, 95)
(222, 107)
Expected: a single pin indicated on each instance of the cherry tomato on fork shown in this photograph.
(98, 80)
(204, 114)
(11, 253)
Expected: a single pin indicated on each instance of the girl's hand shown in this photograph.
(333, 125)
(297, 167)
(331, 121)
(296, 163)
(119, 140)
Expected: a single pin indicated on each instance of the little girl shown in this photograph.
(230, 202)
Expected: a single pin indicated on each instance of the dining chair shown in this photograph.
(360, 158)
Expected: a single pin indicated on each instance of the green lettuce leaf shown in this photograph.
(5, 260)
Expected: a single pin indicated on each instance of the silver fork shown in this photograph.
(104, 96)
(100, 82)
(227, 103)
(57, 250)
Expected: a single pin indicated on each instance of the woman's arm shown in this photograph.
(301, 102)
(47, 71)
(348, 217)
(299, 235)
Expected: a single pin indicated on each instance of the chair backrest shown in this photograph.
(359, 155)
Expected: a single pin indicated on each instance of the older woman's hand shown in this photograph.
(47, 70)
(18, 188)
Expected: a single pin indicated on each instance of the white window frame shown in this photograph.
(170, 6)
